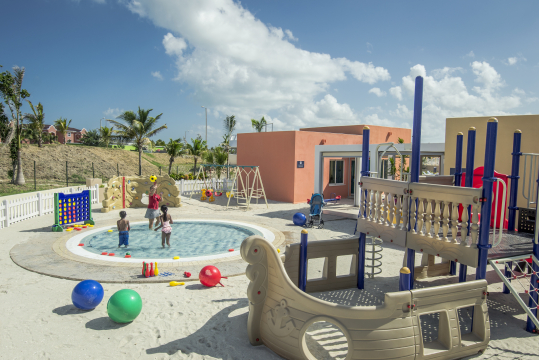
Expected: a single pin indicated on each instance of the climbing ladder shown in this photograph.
(521, 278)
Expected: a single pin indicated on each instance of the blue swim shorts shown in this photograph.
(124, 238)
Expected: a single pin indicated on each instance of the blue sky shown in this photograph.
(298, 63)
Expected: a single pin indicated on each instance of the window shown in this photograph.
(336, 172)
(68, 134)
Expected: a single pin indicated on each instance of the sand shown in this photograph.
(38, 320)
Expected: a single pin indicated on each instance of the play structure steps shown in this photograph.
(521, 278)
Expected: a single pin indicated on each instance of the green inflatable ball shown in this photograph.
(124, 306)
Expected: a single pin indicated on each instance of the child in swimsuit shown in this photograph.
(165, 227)
(123, 228)
(152, 212)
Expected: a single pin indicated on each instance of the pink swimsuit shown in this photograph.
(167, 229)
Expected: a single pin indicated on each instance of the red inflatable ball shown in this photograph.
(210, 276)
(208, 193)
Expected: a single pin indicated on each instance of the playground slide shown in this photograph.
(280, 313)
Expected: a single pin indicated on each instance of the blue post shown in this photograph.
(404, 280)
(468, 182)
(362, 236)
(458, 181)
(515, 170)
(458, 160)
(302, 281)
(486, 205)
(415, 167)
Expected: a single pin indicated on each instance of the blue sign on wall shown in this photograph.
(301, 164)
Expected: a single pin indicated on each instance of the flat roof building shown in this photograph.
(286, 159)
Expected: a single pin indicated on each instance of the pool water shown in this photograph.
(188, 239)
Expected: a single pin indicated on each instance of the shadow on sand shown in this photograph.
(216, 336)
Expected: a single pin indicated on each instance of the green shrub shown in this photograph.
(10, 174)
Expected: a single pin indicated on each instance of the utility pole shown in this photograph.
(205, 108)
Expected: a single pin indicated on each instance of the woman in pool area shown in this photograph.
(152, 212)
(165, 227)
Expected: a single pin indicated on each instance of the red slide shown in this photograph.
(477, 183)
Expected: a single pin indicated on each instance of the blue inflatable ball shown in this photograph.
(87, 294)
(299, 219)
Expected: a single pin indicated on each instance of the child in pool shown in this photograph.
(123, 228)
(152, 212)
(165, 227)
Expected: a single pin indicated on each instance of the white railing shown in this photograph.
(189, 187)
(14, 209)
(383, 210)
(529, 185)
(495, 209)
(437, 207)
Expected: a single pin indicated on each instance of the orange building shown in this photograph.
(286, 158)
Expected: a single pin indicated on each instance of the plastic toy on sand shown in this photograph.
(153, 178)
(210, 276)
(87, 294)
(299, 219)
(124, 306)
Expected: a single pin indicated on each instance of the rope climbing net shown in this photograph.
(520, 276)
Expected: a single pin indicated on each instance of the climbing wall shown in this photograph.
(127, 192)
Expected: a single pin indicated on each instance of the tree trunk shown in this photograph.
(20, 175)
(14, 172)
(195, 168)
(170, 165)
(39, 141)
(140, 161)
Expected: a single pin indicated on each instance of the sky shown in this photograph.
(297, 63)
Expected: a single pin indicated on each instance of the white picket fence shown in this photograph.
(18, 208)
(189, 187)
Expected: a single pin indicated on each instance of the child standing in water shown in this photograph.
(166, 229)
(152, 212)
(123, 228)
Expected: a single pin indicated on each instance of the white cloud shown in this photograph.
(441, 73)
(369, 48)
(514, 59)
(113, 113)
(469, 55)
(449, 97)
(376, 91)
(174, 45)
(238, 65)
(396, 91)
(157, 75)
(290, 35)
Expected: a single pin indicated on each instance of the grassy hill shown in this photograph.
(51, 165)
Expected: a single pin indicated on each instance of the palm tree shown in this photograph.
(220, 158)
(137, 128)
(37, 121)
(258, 125)
(62, 125)
(230, 125)
(196, 149)
(13, 94)
(173, 149)
(106, 135)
